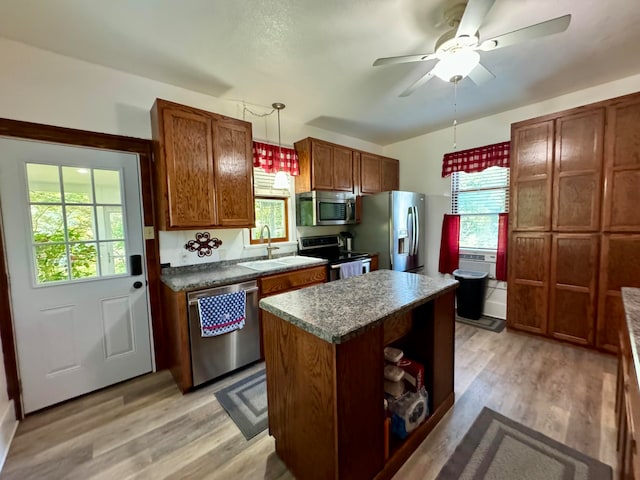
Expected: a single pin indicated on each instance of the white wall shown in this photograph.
(44, 87)
(421, 157)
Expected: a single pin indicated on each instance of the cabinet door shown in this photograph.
(321, 166)
(234, 173)
(619, 267)
(577, 181)
(188, 153)
(574, 272)
(390, 174)
(342, 169)
(528, 280)
(369, 173)
(622, 166)
(531, 174)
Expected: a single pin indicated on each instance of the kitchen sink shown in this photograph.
(282, 262)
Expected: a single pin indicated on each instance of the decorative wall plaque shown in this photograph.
(203, 244)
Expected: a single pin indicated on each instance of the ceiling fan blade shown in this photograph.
(542, 29)
(418, 83)
(404, 59)
(480, 74)
(473, 16)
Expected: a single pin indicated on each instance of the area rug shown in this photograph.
(246, 403)
(488, 323)
(498, 448)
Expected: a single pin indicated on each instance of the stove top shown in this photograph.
(327, 247)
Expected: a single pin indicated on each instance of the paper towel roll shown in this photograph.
(415, 413)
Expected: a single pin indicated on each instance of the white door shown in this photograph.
(72, 218)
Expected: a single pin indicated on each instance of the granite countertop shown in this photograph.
(338, 311)
(195, 277)
(631, 302)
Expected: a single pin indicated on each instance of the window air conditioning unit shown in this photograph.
(480, 262)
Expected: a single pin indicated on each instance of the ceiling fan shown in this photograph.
(457, 49)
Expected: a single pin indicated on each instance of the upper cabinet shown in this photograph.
(327, 166)
(378, 174)
(203, 168)
(557, 173)
(324, 166)
(622, 167)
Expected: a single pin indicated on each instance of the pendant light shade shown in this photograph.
(281, 181)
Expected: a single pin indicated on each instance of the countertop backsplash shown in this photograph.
(173, 251)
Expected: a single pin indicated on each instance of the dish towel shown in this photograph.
(351, 269)
(222, 314)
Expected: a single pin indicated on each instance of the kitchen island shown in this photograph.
(324, 360)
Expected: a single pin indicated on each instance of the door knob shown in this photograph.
(137, 284)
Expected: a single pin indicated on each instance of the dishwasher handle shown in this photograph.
(248, 290)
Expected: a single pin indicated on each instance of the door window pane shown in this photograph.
(84, 260)
(77, 185)
(43, 183)
(51, 262)
(47, 223)
(110, 223)
(112, 258)
(80, 224)
(107, 185)
(73, 236)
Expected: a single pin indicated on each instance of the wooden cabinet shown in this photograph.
(622, 166)
(577, 182)
(202, 167)
(627, 409)
(325, 409)
(528, 292)
(619, 267)
(390, 174)
(324, 166)
(286, 282)
(327, 166)
(574, 275)
(531, 176)
(575, 176)
(378, 174)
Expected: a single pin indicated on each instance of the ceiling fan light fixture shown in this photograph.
(456, 64)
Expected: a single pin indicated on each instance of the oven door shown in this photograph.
(334, 270)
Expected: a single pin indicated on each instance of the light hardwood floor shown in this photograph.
(145, 428)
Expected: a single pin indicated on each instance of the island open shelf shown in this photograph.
(325, 369)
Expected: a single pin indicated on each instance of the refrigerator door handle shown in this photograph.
(416, 230)
(411, 225)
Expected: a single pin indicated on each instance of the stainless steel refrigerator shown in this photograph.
(393, 224)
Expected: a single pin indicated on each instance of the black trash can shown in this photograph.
(470, 293)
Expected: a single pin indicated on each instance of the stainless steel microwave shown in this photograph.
(325, 208)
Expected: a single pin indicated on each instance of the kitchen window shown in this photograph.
(271, 207)
(479, 197)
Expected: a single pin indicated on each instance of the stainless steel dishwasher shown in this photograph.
(215, 356)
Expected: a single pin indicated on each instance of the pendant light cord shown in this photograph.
(455, 114)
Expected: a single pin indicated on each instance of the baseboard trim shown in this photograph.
(8, 427)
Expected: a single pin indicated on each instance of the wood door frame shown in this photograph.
(68, 136)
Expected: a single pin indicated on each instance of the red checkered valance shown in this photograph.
(265, 156)
(476, 159)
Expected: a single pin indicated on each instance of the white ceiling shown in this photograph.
(315, 55)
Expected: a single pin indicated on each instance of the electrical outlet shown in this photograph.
(149, 233)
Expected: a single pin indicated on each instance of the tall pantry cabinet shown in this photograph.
(575, 221)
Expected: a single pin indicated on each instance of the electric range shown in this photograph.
(328, 248)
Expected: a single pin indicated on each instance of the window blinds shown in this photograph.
(485, 192)
(263, 184)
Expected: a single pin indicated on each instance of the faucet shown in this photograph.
(269, 247)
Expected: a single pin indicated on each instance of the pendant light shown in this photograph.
(281, 181)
